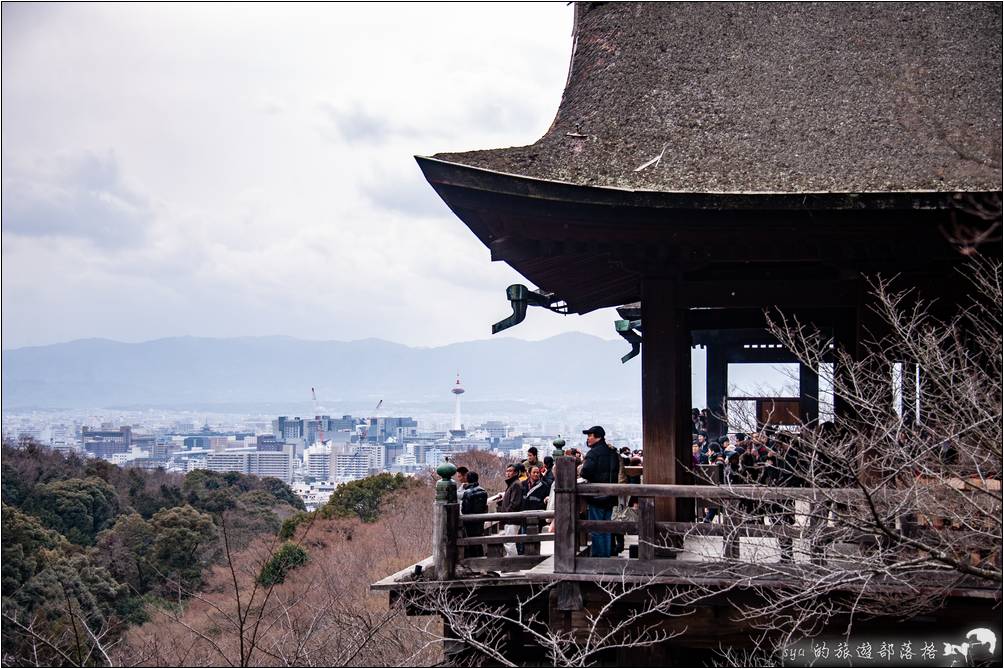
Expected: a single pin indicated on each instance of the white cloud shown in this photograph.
(248, 169)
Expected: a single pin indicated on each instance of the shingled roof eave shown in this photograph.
(452, 173)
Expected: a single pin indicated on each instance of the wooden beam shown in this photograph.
(753, 293)
(512, 515)
(733, 492)
(514, 563)
(505, 539)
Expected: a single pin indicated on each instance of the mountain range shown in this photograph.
(183, 372)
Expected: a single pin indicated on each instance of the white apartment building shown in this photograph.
(317, 462)
(266, 463)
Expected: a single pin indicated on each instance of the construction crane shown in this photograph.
(317, 416)
(365, 431)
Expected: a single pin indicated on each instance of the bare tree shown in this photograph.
(633, 614)
(905, 485)
(322, 614)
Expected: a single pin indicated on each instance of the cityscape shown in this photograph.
(312, 453)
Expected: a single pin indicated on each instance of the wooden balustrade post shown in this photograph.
(817, 525)
(565, 510)
(532, 528)
(730, 540)
(646, 528)
(445, 524)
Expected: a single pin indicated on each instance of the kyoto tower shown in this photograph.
(457, 390)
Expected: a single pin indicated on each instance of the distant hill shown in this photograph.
(187, 371)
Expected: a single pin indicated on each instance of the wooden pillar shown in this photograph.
(717, 387)
(808, 394)
(665, 382)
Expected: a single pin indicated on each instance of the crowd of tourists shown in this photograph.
(769, 457)
(528, 488)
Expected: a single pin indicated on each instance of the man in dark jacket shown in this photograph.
(512, 501)
(601, 465)
(535, 491)
(474, 500)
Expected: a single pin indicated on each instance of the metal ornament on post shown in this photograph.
(559, 447)
(446, 488)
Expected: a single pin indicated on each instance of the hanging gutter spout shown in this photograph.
(520, 297)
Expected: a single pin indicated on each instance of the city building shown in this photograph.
(496, 429)
(317, 462)
(382, 428)
(276, 465)
(268, 442)
(106, 441)
(313, 429)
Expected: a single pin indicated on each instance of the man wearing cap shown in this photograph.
(601, 465)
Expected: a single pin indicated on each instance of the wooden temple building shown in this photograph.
(709, 161)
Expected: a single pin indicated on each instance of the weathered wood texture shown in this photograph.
(513, 563)
(531, 548)
(665, 328)
(721, 492)
(506, 539)
(445, 526)
(565, 511)
(514, 515)
(646, 528)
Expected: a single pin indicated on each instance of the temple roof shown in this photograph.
(774, 98)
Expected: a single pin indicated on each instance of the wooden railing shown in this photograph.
(450, 543)
(494, 540)
(659, 543)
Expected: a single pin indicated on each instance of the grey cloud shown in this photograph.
(502, 117)
(359, 126)
(82, 196)
(404, 193)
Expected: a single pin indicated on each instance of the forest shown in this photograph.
(111, 566)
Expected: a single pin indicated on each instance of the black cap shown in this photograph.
(597, 430)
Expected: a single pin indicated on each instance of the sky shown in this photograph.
(241, 170)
